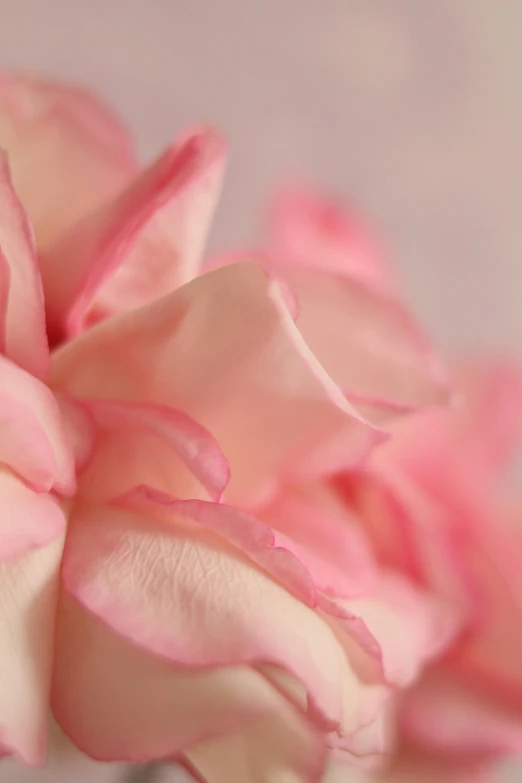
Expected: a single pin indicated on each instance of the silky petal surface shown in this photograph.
(33, 442)
(327, 540)
(410, 768)
(22, 315)
(276, 749)
(119, 702)
(28, 519)
(28, 590)
(225, 350)
(410, 626)
(151, 444)
(317, 233)
(368, 343)
(444, 715)
(172, 587)
(68, 152)
(145, 243)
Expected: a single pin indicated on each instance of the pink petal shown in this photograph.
(466, 534)
(487, 419)
(80, 430)
(410, 767)
(242, 530)
(326, 539)
(28, 520)
(118, 702)
(444, 715)
(22, 313)
(409, 625)
(140, 443)
(225, 350)
(412, 532)
(368, 343)
(33, 441)
(490, 655)
(68, 152)
(145, 243)
(321, 235)
(179, 591)
(262, 753)
(28, 588)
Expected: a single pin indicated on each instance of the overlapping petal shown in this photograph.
(143, 244)
(136, 707)
(171, 586)
(68, 152)
(28, 595)
(33, 441)
(225, 350)
(22, 318)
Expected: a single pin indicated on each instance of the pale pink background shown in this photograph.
(412, 108)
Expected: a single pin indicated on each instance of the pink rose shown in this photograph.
(437, 507)
(256, 646)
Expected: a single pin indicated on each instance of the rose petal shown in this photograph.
(444, 715)
(22, 314)
(28, 587)
(80, 430)
(320, 234)
(68, 152)
(28, 520)
(265, 752)
(326, 539)
(411, 767)
(33, 441)
(145, 243)
(242, 530)
(488, 421)
(368, 343)
(225, 350)
(410, 626)
(143, 444)
(118, 702)
(172, 588)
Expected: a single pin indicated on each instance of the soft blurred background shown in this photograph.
(410, 108)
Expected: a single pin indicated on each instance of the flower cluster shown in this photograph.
(247, 520)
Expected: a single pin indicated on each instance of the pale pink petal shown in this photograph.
(145, 243)
(490, 656)
(410, 626)
(242, 530)
(22, 315)
(173, 586)
(224, 350)
(118, 702)
(444, 715)
(68, 152)
(320, 234)
(487, 420)
(412, 532)
(193, 444)
(28, 519)
(467, 538)
(267, 751)
(368, 343)
(80, 430)
(33, 440)
(409, 768)
(326, 538)
(28, 588)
